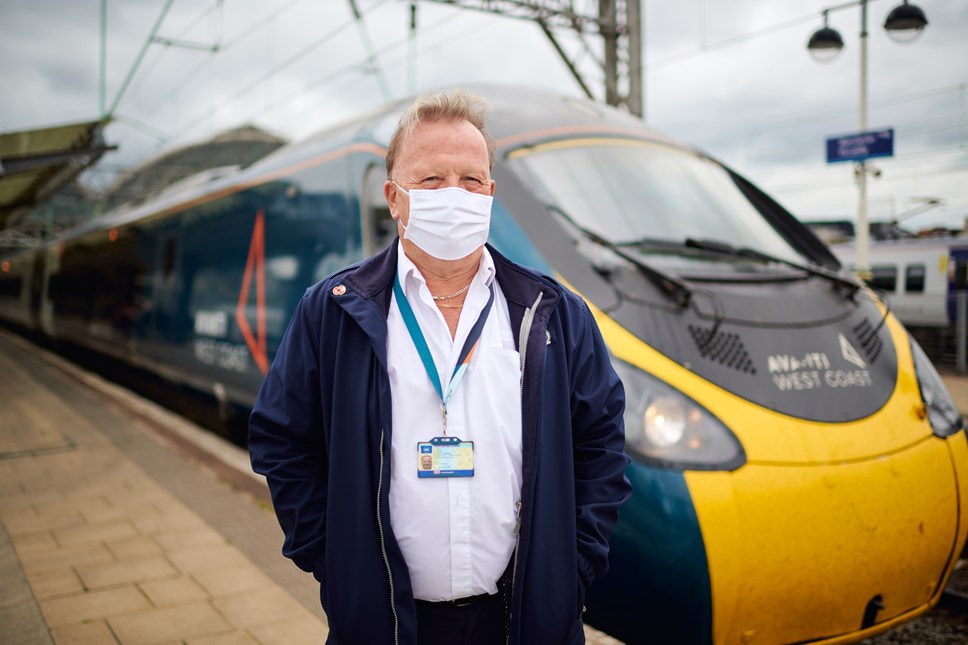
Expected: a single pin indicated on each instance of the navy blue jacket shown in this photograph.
(320, 432)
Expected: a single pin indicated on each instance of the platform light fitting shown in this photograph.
(905, 23)
(825, 43)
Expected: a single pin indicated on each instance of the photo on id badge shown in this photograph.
(445, 457)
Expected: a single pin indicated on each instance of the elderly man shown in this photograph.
(441, 428)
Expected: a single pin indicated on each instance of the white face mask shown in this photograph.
(447, 223)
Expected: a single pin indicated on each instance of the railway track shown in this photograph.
(955, 596)
(946, 624)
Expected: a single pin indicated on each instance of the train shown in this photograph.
(800, 472)
(920, 277)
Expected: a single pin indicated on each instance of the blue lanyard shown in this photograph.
(420, 342)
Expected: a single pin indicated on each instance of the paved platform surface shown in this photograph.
(116, 537)
(121, 522)
(958, 386)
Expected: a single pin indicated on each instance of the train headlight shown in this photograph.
(664, 426)
(942, 412)
(665, 422)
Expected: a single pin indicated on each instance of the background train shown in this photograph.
(800, 473)
(919, 276)
(920, 279)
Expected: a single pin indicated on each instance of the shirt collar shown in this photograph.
(412, 278)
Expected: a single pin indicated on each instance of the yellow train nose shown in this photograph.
(817, 552)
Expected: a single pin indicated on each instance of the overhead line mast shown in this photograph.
(372, 60)
(618, 22)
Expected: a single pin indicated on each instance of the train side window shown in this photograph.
(377, 226)
(169, 265)
(914, 278)
(11, 287)
(883, 277)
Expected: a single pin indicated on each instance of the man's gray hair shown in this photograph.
(455, 105)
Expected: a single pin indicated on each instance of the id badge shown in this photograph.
(445, 457)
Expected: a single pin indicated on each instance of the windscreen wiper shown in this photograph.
(724, 248)
(676, 289)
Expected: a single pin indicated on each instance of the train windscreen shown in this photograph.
(649, 197)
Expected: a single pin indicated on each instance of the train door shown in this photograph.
(162, 307)
(377, 227)
(957, 279)
(36, 290)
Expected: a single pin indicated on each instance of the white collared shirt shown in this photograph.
(456, 533)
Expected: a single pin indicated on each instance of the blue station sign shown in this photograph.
(861, 146)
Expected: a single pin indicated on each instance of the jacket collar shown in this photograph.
(374, 277)
(373, 280)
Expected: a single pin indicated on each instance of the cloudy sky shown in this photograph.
(732, 77)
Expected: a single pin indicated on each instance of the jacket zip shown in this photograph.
(514, 567)
(523, 334)
(526, 321)
(383, 546)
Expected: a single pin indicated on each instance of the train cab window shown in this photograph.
(883, 277)
(377, 227)
(914, 278)
(649, 196)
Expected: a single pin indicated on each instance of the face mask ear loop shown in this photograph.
(407, 193)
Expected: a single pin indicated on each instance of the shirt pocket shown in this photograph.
(498, 387)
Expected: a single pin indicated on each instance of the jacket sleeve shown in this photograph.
(286, 441)
(598, 431)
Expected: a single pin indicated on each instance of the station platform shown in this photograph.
(121, 522)
(958, 386)
(119, 527)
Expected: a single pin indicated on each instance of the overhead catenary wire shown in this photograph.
(726, 42)
(141, 54)
(741, 38)
(261, 23)
(201, 118)
(146, 73)
(342, 72)
(845, 180)
(896, 99)
(331, 76)
(141, 126)
(899, 163)
(918, 137)
(802, 146)
(162, 137)
(334, 75)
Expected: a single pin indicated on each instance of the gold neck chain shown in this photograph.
(453, 295)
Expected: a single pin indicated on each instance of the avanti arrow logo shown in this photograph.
(255, 264)
(850, 354)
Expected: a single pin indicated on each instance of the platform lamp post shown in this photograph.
(904, 24)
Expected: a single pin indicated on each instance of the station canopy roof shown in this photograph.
(35, 163)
